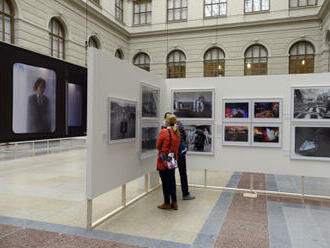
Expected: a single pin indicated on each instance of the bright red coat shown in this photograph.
(163, 144)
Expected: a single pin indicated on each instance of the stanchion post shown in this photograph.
(251, 182)
(146, 182)
(123, 195)
(89, 214)
(303, 186)
(60, 145)
(16, 148)
(48, 146)
(33, 147)
(205, 178)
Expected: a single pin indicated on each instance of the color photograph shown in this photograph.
(236, 134)
(150, 101)
(193, 104)
(199, 138)
(312, 142)
(266, 110)
(34, 99)
(236, 110)
(266, 135)
(311, 103)
(122, 120)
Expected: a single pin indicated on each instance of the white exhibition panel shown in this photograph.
(111, 165)
(248, 158)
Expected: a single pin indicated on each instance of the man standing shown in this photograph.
(182, 161)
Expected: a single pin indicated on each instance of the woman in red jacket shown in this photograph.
(168, 141)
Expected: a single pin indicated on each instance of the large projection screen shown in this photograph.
(111, 165)
(273, 160)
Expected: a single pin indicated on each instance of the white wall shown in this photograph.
(254, 159)
(109, 166)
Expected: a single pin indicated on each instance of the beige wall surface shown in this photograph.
(277, 30)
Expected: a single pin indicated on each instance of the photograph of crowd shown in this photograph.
(199, 138)
(150, 102)
(311, 103)
(266, 134)
(313, 142)
(34, 99)
(149, 139)
(193, 104)
(236, 110)
(122, 120)
(236, 133)
(267, 110)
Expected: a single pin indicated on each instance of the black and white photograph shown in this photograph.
(267, 110)
(193, 104)
(34, 99)
(75, 105)
(149, 137)
(122, 120)
(266, 135)
(236, 110)
(236, 134)
(311, 142)
(150, 101)
(199, 138)
(311, 103)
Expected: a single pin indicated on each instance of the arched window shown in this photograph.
(214, 62)
(142, 60)
(93, 42)
(119, 54)
(256, 60)
(6, 21)
(301, 58)
(57, 39)
(176, 64)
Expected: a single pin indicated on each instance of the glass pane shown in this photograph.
(301, 48)
(249, 52)
(184, 13)
(7, 9)
(176, 56)
(208, 1)
(61, 49)
(223, 1)
(177, 14)
(170, 58)
(207, 10)
(177, 4)
(136, 19)
(263, 52)
(147, 60)
(248, 5)
(0, 25)
(293, 3)
(170, 15)
(216, 1)
(223, 9)
(149, 18)
(170, 4)
(310, 49)
(215, 54)
(221, 55)
(184, 3)
(208, 56)
(311, 2)
(302, 2)
(136, 7)
(265, 5)
(256, 51)
(55, 28)
(149, 6)
(215, 10)
(143, 18)
(256, 5)
(142, 7)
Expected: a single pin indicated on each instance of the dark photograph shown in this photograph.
(193, 104)
(34, 99)
(75, 105)
(236, 110)
(150, 102)
(199, 138)
(263, 134)
(149, 138)
(312, 103)
(267, 110)
(122, 120)
(236, 134)
(312, 141)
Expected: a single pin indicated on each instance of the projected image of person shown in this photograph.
(34, 99)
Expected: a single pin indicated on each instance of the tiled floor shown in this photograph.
(42, 204)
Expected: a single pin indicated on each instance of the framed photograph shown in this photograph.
(267, 110)
(200, 139)
(122, 120)
(267, 135)
(193, 103)
(311, 103)
(236, 134)
(34, 99)
(149, 137)
(236, 110)
(310, 142)
(150, 101)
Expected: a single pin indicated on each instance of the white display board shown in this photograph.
(254, 159)
(111, 165)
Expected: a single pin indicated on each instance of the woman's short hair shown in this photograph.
(40, 81)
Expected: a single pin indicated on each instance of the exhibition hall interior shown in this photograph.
(165, 123)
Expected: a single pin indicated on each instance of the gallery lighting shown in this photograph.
(248, 65)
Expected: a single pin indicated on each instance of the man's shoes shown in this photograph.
(174, 206)
(164, 206)
(189, 197)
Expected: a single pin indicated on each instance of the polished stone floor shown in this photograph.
(42, 204)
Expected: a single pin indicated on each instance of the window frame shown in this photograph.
(96, 42)
(146, 12)
(121, 11)
(181, 11)
(214, 16)
(303, 6)
(119, 51)
(183, 72)
(215, 61)
(299, 55)
(62, 39)
(12, 19)
(145, 65)
(259, 58)
(259, 11)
